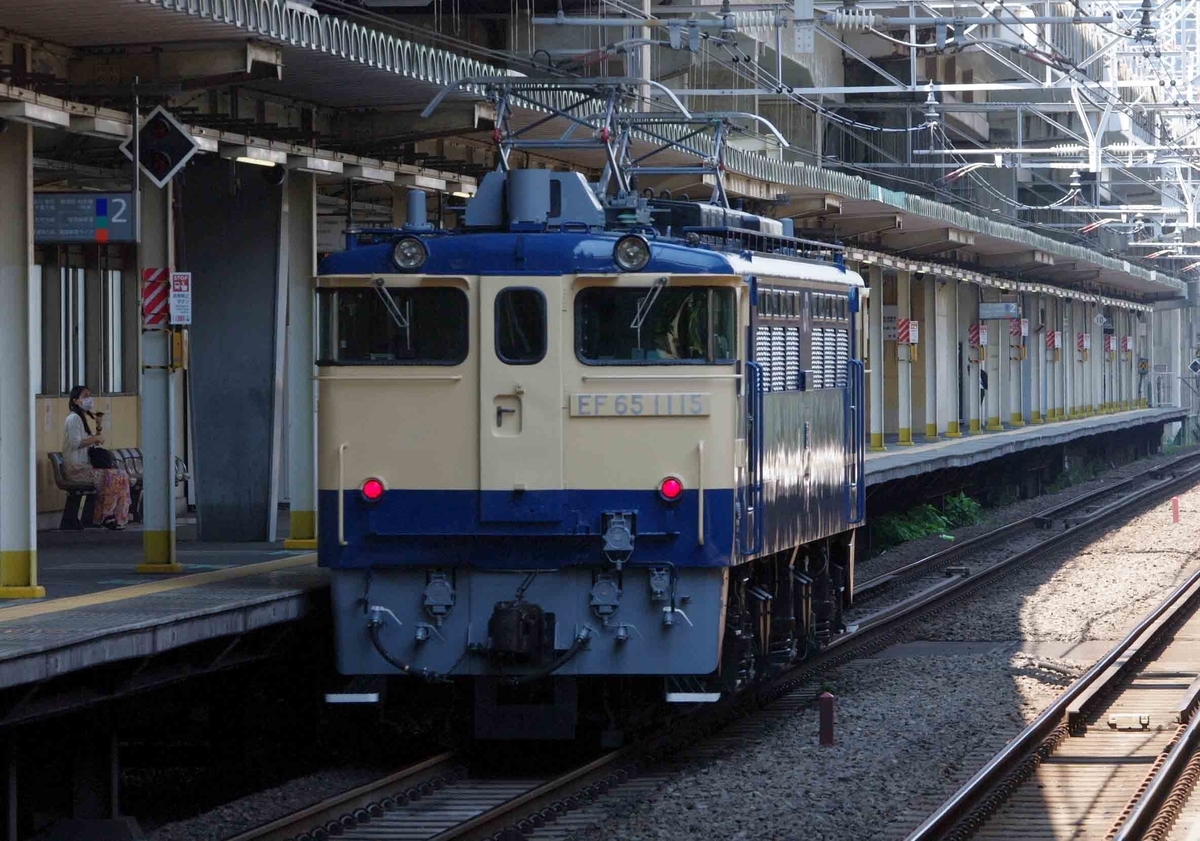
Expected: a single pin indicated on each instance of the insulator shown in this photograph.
(754, 19)
(855, 19)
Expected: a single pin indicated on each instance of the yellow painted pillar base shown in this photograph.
(1016, 420)
(1035, 416)
(993, 425)
(931, 430)
(156, 549)
(302, 530)
(18, 575)
(952, 430)
(905, 437)
(875, 445)
(973, 425)
(1125, 406)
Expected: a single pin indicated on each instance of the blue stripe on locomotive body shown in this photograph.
(445, 528)
(511, 253)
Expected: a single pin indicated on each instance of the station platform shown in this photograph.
(928, 456)
(100, 612)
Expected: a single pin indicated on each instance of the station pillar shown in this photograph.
(1070, 376)
(1035, 349)
(946, 327)
(931, 342)
(20, 367)
(974, 358)
(996, 345)
(1095, 400)
(904, 361)
(156, 406)
(301, 391)
(875, 343)
(1050, 307)
(1131, 362)
(1015, 345)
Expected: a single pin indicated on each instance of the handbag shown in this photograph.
(101, 459)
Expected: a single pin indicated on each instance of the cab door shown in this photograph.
(521, 400)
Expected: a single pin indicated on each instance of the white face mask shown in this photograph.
(86, 404)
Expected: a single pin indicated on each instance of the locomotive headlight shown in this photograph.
(409, 254)
(372, 489)
(631, 253)
(670, 488)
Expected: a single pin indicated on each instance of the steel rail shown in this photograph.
(1150, 804)
(971, 793)
(422, 778)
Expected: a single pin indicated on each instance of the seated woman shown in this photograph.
(112, 486)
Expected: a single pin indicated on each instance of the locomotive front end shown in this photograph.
(523, 472)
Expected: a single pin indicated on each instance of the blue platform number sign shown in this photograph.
(83, 217)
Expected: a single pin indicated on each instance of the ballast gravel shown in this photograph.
(248, 812)
(915, 722)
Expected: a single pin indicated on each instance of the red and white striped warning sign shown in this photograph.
(1110, 342)
(1126, 343)
(155, 293)
(1014, 327)
(973, 334)
(1054, 340)
(1083, 341)
(902, 332)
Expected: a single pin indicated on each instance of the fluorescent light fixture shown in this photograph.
(255, 155)
(460, 194)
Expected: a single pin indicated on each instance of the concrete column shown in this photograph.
(1071, 369)
(1016, 415)
(996, 344)
(20, 367)
(904, 362)
(1175, 337)
(976, 358)
(156, 406)
(945, 367)
(875, 348)
(1096, 362)
(1054, 370)
(1131, 370)
(1035, 344)
(929, 350)
(301, 388)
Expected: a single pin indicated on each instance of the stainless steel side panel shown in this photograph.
(804, 463)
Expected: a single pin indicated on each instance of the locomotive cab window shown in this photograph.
(521, 326)
(655, 325)
(397, 326)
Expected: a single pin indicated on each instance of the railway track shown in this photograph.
(439, 799)
(1104, 760)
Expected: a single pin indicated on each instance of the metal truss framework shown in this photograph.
(1105, 88)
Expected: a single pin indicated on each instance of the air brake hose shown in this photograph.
(373, 629)
(558, 662)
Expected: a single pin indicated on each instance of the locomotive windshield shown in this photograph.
(427, 326)
(655, 325)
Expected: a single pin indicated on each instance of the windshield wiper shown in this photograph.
(647, 303)
(389, 303)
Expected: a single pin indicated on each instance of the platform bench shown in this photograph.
(81, 497)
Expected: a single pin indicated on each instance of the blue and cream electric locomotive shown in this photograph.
(577, 442)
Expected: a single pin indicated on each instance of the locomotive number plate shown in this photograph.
(640, 405)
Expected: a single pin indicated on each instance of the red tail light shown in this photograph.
(670, 489)
(372, 490)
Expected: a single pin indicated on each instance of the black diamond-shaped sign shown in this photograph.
(163, 147)
(1195, 366)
